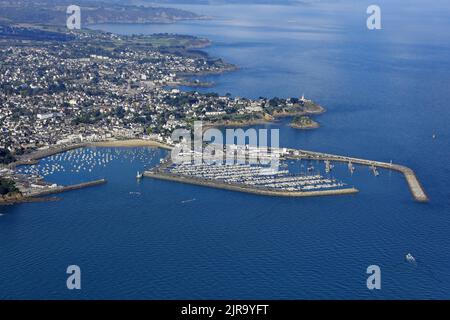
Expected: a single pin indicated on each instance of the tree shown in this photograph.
(6, 157)
(120, 112)
(7, 186)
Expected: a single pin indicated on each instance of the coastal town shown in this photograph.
(70, 93)
(96, 87)
(91, 88)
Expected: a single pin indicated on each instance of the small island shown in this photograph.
(304, 123)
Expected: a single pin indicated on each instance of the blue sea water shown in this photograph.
(386, 93)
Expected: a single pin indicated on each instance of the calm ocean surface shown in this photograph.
(387, 92)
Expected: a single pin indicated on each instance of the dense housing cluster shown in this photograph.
(101, 86)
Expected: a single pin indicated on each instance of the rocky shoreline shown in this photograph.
(10, 200)
(304, 123)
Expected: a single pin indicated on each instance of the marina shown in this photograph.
(247, 189)
(74, 164)
(260, 180)
(256, 176)
(251, 178)
(242, 177)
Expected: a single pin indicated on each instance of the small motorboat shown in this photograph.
(409, 258)
(139, 175)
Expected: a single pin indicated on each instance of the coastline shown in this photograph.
(268, 119)
(314, 125)
(237, 124)
(27, 200)
(318, 109)
(130, 143)
(38, 196)
(229, 68)
(185, 81)
(34, 156)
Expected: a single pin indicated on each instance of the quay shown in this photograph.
(413, 182)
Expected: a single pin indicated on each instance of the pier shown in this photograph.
(415, 187)
(61, 189)
(36, 196)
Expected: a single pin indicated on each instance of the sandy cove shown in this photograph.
(130, 143)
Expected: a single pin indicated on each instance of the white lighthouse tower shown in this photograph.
(302, 99)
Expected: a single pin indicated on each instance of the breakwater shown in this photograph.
(414, 185)
(247, 189)
(62, 189)
(36, 196)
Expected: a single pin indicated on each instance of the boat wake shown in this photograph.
(187, 201)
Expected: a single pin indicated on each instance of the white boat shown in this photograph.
(375, 171)
(351, 167)
(327, 166)
(139, 175)
(409, 258)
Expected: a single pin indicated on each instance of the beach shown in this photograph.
(131, 143)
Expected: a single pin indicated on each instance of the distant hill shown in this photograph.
(278, 2)
(53, 12)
